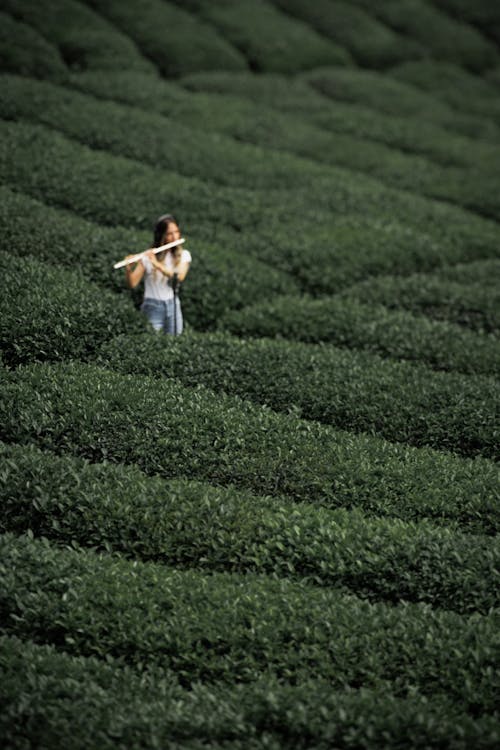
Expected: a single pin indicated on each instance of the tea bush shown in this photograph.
(32, 228)
(473, 305)
(371, 43)
(482, 13)
(24, 51)
(221, 112)
(235, 628)
(112, 127)
(493, 76)
(67, 175)
(443, 37)
(54, 695)
(90, 182)
(294, 96)
(49, 313)
(221, 277)
(186, 566)
(269, 40)
(176, 41)
(388, 95)
(236, 118)
(84, 39)
(477, 272)
(351, 323)
(451, 84)
(174, 431)
(341, 193)
(195, 525)
(355, 391)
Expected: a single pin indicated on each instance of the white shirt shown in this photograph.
(156, 285)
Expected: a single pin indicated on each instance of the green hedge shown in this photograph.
(24, 51)
(68, 175)
(371, 43)
(388, 95)
(321, 219)
(195, 525)
(354, 391)
(361, 97)
(58, 699)
(347, 248)
(493, 76)
(235, 117)
(84, 39)
(114, 128)
(176, 41)
(349, 322)
(268, 39)
(473, 186)
(483, 13)
(32, 228)
(410, 135)
(238, 628)
(220, 277)
(175, 431)
(483, 272)
(49, 313)
(461, 90)
(443, 37)
(473, 305)
(341, 191)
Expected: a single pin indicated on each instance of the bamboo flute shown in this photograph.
(134, 258)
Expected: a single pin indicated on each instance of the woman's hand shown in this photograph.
(156, 264)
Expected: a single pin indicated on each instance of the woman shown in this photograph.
(161, 273)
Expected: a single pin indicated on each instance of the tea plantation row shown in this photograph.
(72, 174)
(294, 96)
(114, 127)
(49, 238)
(111, 126)
(373, 327)
(285, 540)
(194, 525)
(174, 431)
(53, 313)
(390, 95)
(221, 279)
(449, 83)
(421, 30)
(231, 628)
(475, 305)
(54, 695)
(248, 32)
(76, 31)
(355, 391)
(72, 34)
(250, 27)
(481, 13)
(354, 90)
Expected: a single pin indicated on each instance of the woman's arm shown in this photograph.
(181, 269)
(134, 275)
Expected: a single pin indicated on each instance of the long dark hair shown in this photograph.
(160, 228)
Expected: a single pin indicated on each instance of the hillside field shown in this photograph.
(279, 530)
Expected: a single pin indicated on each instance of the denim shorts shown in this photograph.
(163, 316)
